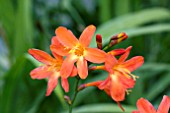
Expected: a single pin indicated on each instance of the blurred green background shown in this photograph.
(28, 24)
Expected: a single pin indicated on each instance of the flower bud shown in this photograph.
(99, 41)
(118, 38)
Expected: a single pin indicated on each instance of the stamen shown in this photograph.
(128, 91)
(78, 50)
(133, 76)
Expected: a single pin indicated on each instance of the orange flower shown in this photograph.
(50, 69)
(144, 106)
(120, 78)
(66, 44)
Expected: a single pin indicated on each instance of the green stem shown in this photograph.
(75, 95)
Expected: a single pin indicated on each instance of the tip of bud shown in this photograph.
(81, 87)
(67, 98)
(122, 35)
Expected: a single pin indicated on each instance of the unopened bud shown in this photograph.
(117, 52)
(81, 87)
(67, 98)
(99, 41)
(118, 38)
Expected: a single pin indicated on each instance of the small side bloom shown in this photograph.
(144, 106)
(77, 50)
(120, 78)
(50, 69)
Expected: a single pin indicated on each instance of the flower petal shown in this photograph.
(82, 67)
(133, 63)
(125, 81)
(104, 83)
(65, 84)
(125, 55)
(135, 111)
(41, 56)
(52, 82)
(74, 72)
(57, 48)
(144, 106)
(110, 62)
(40, 72)
(117, 90)
(165, 105)
(87, 35)
(67, 66)
(66, 37)
(95, 55)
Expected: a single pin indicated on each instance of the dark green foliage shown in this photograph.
(31, 23)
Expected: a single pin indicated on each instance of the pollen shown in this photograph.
(78, 50)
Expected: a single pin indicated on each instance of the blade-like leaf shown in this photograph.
(102, 108)
(128, 21)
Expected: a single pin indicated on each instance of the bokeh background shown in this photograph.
(28, 24)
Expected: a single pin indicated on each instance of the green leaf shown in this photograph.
(102, 108)
(158, 87)
(23, 28)
(148, 30)
(104, 10)
(129, 21)
(10, 84)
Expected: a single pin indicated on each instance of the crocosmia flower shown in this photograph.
(76, 50)
(120, 78)
(50, 69)
(144, 106)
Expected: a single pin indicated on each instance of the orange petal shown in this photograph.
(65, 84)
(74, 72)
(133, 63)
(165, 105)
(40, 72)
(126, 82)
(104, 84)
(95, 55)
(145, 106)
(87, 35)
(68, 65)
(110, 62)
(82, 68)
(66, 37)
(125, 55)
(57, 48)
(117, 90)
(52, 82)
(135, 111)
(41, 56)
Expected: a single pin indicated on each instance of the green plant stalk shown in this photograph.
(75, 95)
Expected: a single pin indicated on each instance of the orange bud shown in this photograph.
(99, 41)
(117, 52)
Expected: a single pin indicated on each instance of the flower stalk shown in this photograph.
(75, 94)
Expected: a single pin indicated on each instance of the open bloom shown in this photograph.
(144, 106)
(76, 50)
(120, 78)
(50, 69)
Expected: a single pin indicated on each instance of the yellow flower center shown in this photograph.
(78, 50)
